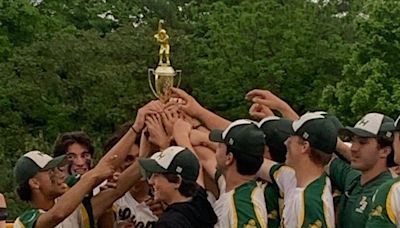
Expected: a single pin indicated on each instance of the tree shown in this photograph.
(371, 78)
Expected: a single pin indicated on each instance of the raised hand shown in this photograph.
(259, 111)
(111, 182)
(155, 127)
(106, 167)
(273, 102)
(153, 107)
(169, 117)
(189, 104)
(266, 98)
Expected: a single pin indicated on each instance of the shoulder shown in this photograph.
(387, 189)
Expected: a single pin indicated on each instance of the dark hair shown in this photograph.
(277, 152)
(387, 142)
(319, 157)
(117, 135)
(247, 164)
(187, 188)
(69, 138)
(24, 192)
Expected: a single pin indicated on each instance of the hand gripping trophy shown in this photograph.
(164, 75)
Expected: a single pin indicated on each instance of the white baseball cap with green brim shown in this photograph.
(33, 162)
(370, 126)
(175, 160)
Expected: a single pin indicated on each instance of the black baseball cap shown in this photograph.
(243, 138)
(276, 131)
(318, 130)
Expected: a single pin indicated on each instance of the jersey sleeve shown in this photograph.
(385, 206)
(392, 204)
(27, 219)
(284, 177)
(341, 173)
(220, 181)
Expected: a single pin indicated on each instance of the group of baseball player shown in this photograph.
(181, 165)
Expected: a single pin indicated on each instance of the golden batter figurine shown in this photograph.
(163, 38)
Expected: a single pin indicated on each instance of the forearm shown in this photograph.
(207, 159)
(68, 202)
(288, 112)
(343, 149)
(104, 200)
(212, 120)
(123, 146)
(183, 140)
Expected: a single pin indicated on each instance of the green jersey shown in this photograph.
(310, 206)
(355, 203)
(385, 206)
(78, 219)
(263, 199)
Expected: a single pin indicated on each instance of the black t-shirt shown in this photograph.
(196, 213)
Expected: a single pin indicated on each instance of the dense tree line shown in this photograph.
(82, 65)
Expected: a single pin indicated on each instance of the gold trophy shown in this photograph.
(164, 75)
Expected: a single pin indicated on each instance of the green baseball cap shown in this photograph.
(276, 132)
(370, 126)
(318, 130)
(174, 159)
(33, 162)
(243, 138)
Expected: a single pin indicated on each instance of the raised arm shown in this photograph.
(194, 109)
(104, 200)
(70, 200)
(266, 98)
(181, 135)
(125, 143)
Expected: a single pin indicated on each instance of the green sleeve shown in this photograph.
(341, 174)
(272, 171)
(29, 218)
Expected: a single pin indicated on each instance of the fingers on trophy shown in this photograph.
(164, 76)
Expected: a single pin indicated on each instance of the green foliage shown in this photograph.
(371, 78)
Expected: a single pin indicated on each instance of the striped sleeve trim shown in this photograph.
(390, 204)
(261, 219)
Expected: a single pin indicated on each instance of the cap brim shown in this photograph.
(351, 131)
(150, 166)
(56, 162)
(216, 136)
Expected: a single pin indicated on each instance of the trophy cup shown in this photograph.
(164, 75)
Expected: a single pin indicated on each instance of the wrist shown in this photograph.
(90, 177)
(201, 114)
(136, 130)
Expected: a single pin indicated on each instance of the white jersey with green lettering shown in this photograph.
(311, 206)
(129, 211)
